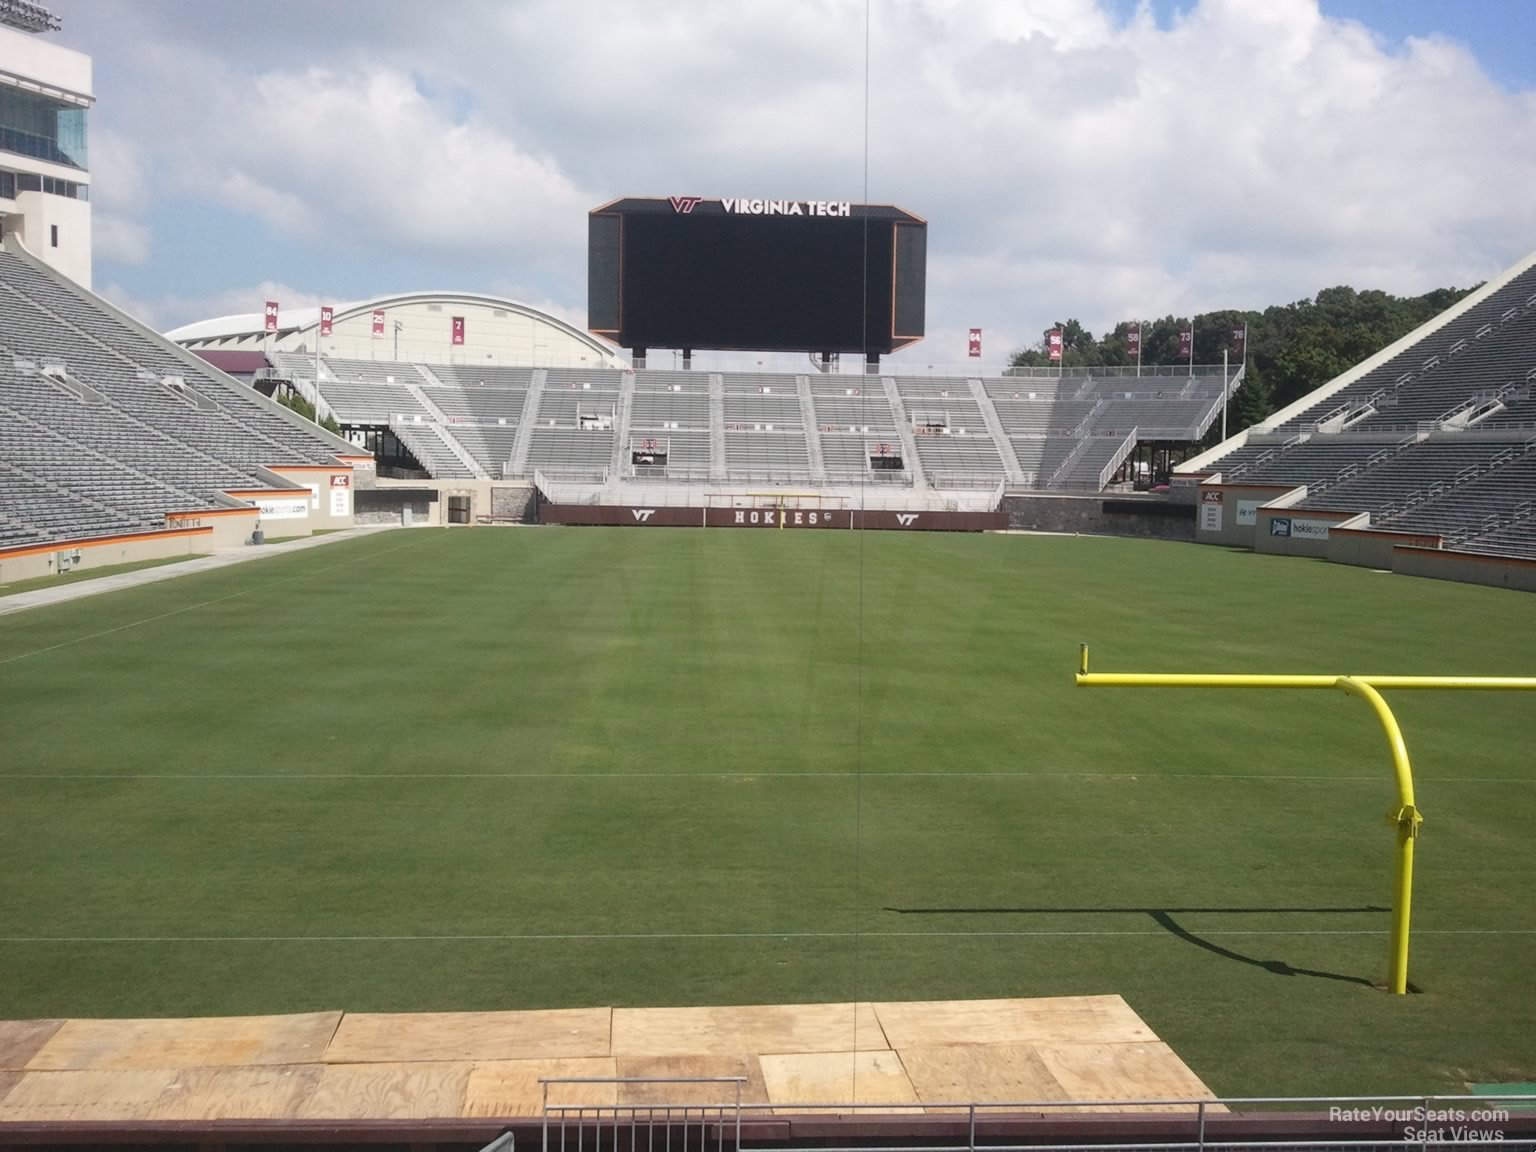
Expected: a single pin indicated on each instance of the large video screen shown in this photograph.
(716, 276)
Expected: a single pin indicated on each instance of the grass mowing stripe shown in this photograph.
(1019, 933)
(1253, 776)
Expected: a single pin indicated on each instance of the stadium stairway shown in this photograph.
(904, 431)
(619, 458)
(525, 426)
(443, 428)
(994, 424)
(812, 433)
(717, 470)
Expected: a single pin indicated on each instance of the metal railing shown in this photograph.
(679, 1125)
(644, 1124)
(1126, 448)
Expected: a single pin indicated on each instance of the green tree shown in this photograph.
(293, 401)
(1292, 348)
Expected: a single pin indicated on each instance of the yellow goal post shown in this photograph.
(1405, 817)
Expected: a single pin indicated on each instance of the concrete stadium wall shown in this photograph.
(330, 504)
(44, 560)
(1279, 531)
(512, 504)
(378, 506)
(629, 516)
(1229, 513)
(1143, 516)
(1373, 548)
(1466, 567)
(490, 501)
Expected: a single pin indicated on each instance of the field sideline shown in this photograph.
(440, 770)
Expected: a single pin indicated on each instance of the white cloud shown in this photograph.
(1069, 164)
(166, 311)
(121, 198)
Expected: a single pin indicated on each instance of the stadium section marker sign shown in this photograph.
(1405, 817)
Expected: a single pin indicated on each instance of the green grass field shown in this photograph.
(481, 769)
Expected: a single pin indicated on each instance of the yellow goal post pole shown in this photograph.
(780, 497)
(1406, 818)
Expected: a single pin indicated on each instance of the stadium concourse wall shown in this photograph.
(424, 502)
(300, 501)
(625, 515)
(1145, 516)
(1263, 518)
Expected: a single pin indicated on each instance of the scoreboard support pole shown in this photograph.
(1405, 818)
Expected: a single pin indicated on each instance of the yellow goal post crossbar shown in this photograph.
(1406, 817)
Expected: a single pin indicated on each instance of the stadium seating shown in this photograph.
(1064, 426)
(1434, 438)
(104, 427)
(1498, 499)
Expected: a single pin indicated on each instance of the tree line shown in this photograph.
(1292, 348)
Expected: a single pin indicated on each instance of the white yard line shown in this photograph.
(534, 937)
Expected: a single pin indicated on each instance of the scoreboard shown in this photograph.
(817, 276)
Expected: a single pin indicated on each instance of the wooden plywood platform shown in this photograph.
(330, 1065)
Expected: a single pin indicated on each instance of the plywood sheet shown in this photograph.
(274, 1092)
(838, 1078)
(215, 1041)
(393, 1037)
(753, 1091)
(423, 1091)
(762, 1029)
(1117, 1072)
(980, 1073)
(87, 1095)
(512, 1088)
(1076, 1019)
(20, 1040)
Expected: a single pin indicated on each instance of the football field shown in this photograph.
(438, 770)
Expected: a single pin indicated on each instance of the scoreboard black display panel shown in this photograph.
(756, 275)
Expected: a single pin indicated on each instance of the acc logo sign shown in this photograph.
(906, 519)
(642, 514)
(1280, 526)
(685, 204)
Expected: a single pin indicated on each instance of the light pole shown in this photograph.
(397, 340)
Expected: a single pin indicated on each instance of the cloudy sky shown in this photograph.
(1094, 158)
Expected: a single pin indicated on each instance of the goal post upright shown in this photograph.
(779, 499)
(1406, 817)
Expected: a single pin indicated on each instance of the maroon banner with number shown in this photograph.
(458, 329)
(974, 343)
(378, 321)
(1240, 342)
(326, 316)
(1186, 343)
(271, 316)
(1053, 343)
(1133, 341)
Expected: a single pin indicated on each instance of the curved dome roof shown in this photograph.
(296, 320)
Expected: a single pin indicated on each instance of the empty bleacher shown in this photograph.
(769, 456)
(1435, 438)
(1480, 506)
(1393, 479)
(104, 428)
